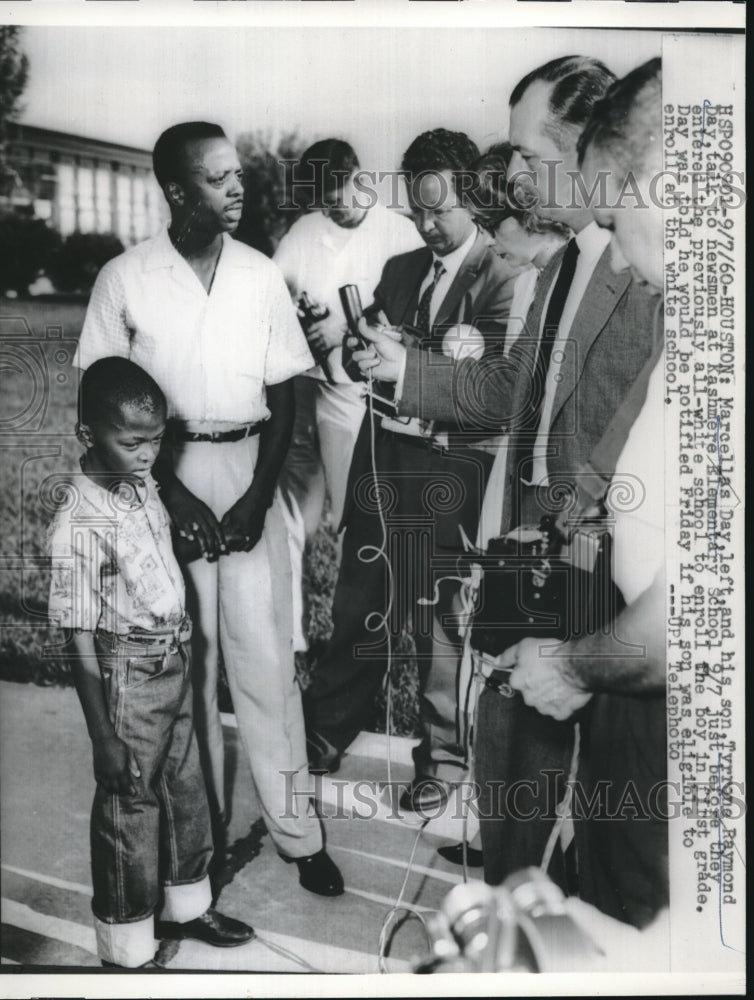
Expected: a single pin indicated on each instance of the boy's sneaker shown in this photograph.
(212, 927)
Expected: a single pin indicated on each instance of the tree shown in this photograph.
(265, 218)
(27, 247)
(14, 71)
(80, 258)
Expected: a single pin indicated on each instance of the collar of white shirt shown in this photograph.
(162, 253)
(453, 261)
(591, 241)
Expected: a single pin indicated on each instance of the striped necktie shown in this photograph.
(422, 313)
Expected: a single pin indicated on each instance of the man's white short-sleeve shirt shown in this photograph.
(212, 354)
(317, 256)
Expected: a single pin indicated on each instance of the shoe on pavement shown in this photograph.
(212, 927)
(454, 854)
(422, 794)
(318, 873)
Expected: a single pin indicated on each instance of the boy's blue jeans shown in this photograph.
(153, 847)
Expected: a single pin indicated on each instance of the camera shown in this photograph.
(310, 313)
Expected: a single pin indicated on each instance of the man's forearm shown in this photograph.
(473, 394)
(274, 439)
(631, 659)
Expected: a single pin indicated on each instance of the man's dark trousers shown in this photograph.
(424, 493)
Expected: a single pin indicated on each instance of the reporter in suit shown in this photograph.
(623, 859)
(430, 484)
(589, 333)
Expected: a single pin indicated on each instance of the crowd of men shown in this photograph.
(507, 370)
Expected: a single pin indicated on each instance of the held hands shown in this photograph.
(384, 358)
(115, 766)
(239, 531)
(194, 520)
(545, 681)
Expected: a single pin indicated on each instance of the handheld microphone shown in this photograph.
(353, 311)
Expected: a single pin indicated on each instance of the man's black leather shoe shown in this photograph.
(318, 873)
(423, 794)
(454, 854)
(212, 927)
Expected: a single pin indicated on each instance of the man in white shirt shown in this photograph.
(344, 239)
(211, 321)
(589, 332)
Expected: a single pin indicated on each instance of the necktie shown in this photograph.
(422, 313)
(530, 427)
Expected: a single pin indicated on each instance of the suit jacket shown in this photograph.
(610, 340)
(480, 295)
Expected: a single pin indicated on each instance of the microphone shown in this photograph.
(353, 311)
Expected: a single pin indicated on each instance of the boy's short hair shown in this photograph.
(169, 154)
(110, 384)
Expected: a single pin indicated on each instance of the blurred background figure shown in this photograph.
(344, 238)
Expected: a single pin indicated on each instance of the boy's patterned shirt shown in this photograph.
(113, 565)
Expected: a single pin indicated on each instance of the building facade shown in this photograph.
(76, 183)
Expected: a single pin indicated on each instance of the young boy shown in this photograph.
(116, 584)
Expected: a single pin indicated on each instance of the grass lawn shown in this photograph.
(37, 417)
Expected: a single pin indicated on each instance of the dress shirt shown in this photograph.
(317, 256)
(211, 353)
(591, 241)
(113, 565)
(452, 262)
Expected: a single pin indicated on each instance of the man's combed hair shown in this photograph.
(112, 383)
(324, 167)
(627, 123)
(438, 150)
(169, 154)
(578, 83)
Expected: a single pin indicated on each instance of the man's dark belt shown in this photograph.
(179, 433)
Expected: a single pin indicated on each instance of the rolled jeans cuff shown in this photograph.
(186, 901)
(130, 944)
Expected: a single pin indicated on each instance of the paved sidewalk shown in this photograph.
(46, 785)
